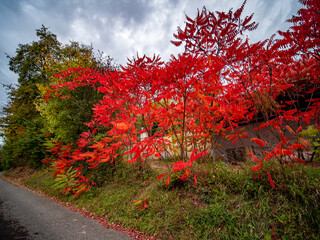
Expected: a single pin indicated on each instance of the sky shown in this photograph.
(122, 28)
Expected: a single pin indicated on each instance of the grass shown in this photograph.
(226, 204)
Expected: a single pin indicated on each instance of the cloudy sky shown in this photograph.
(121, 28)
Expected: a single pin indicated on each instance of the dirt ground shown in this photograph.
(18, 175)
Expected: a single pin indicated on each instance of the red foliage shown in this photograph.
(260, 142)
(221, 82)
(270, 180)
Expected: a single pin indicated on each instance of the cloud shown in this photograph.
(121, 28)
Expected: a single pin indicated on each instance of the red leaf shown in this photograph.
(254, 157)
(142, 131)
(195, 180)
(299, 129)
(194, 157)
(287, 152)
(291, 130)
(162, 175)
(132, 160)
(256, 168)
(178, 166)
(258, 141)
(193, 154)
(177, 43)
(186, 174)
(168, 180)
(270, 180)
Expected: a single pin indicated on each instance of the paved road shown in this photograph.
(25, 215)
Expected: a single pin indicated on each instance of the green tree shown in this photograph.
(26, 120)
(64, 118)
(21, 121)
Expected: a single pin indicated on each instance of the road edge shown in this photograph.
(19, 182)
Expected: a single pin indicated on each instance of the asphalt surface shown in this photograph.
(25, 215)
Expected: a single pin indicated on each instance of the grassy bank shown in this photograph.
(226, 203)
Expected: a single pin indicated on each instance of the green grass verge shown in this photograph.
(226, 204)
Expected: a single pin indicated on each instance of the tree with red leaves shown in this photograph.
(220, 84)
